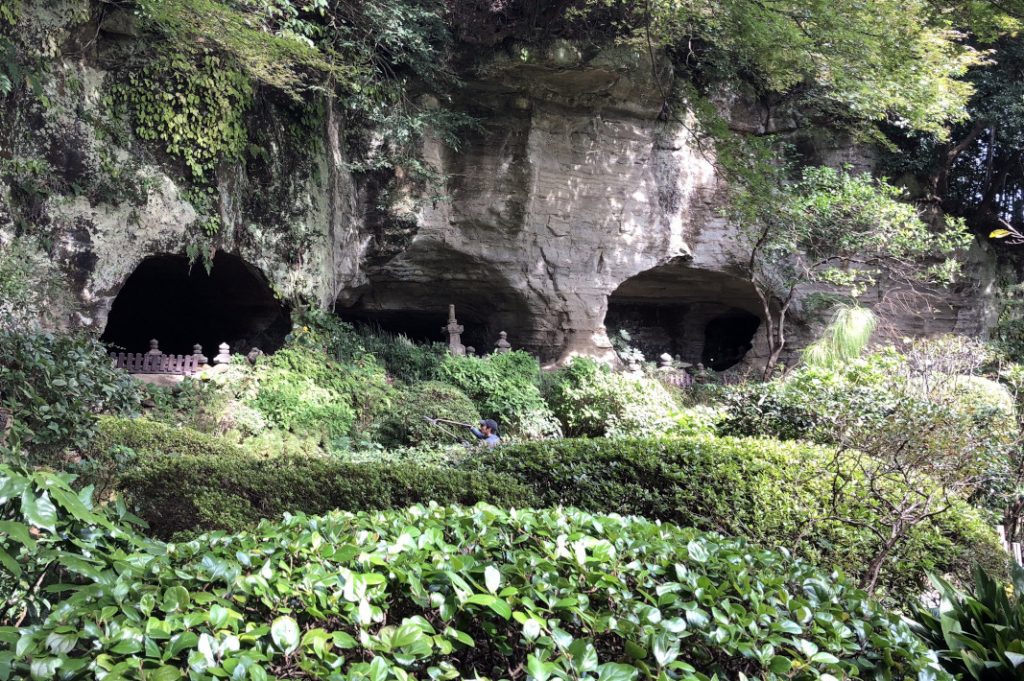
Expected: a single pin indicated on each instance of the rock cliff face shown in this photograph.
(571, 210)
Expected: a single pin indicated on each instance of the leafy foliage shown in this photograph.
(772, 493)
(504, 387)
(48, 529)
(428, 590)
(889, 60)
(55, 385)
(230, 491)
(406, 424)
(979, 634)
(193, 107)
(591, 401)
(847, 231)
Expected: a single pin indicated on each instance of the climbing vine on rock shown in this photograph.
(193, 107)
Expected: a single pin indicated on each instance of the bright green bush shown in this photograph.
(978, 634)
(345, 366)
(177, 494)
(405, 424)
(699, 419)
(404, 359)
(452, 593)
(504, 387)
(303, 391)
(152, 437)
(770, 492)
(55, 385)
(590, 400)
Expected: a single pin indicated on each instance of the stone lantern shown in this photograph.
(454, 331)
(223, 354)
(502, 345)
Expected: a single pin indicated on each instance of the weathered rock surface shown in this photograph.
(572, 192)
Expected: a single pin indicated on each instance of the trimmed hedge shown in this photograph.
(146, 436)
(179, 494)
(756, 488)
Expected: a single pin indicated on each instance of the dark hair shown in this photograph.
(490, 423)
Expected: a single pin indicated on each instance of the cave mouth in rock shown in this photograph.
(423, 326)
(699, 316)
(181, 304)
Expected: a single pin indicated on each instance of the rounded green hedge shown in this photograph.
(756, 488)
(761, 489)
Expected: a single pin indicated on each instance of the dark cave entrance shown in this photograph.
(412, 298)
(181, 305)
(695, 315)
(423, 326)
(728, 338)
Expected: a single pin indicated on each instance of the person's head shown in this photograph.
(489, 427)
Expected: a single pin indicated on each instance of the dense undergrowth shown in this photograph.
(441, 592)
(338, 421)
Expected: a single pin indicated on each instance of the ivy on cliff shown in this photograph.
(191, 88)
(194, 108)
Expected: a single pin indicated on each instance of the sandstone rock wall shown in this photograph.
(572, 190)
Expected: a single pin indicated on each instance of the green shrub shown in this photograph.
(55, 385)
(305, 392)
(404, 359)
(590, 400)
(471, 593)
(504, 387)
(696, 420)
(152, 437)
(405, 424)
(770, 492)
(329, 351)
(177, 494)
(978, 635)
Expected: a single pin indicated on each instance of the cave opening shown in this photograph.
(728, 338)
(181, 304)
(425, 326)
(698, 316)
(412, 299)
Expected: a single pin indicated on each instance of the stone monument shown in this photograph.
(223, 354)
(454, 331)
(502, 345)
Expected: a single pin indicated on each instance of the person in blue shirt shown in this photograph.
(488, 432)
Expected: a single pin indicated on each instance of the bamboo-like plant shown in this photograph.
(844, 338)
